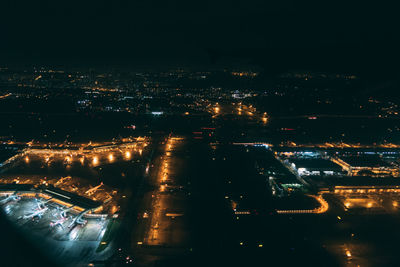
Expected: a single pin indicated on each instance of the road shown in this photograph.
(161, 231)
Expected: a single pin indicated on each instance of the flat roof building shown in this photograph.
(307, 167)
(366, 165)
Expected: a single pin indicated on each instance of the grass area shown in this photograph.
(112, 226)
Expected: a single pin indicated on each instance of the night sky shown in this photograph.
(338, 35)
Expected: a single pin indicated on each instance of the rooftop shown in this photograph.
(352, 181)
(54, 192)
(316, 164)
(365, 161)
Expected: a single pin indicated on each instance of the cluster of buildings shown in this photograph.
(123, 91)
(340, 163)
(366, 166)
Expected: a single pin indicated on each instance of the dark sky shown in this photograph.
(274, 34)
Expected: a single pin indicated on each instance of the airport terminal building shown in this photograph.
(366, 165)
(320, 167)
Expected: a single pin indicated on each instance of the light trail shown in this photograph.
(324, 206)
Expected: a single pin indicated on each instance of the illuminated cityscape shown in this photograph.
(143, 174)
(208, 133)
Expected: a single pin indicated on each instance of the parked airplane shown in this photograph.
(91, 191)
(62, 179)
(78, 220)
(38, 213)
(12, 197)
(58, 222)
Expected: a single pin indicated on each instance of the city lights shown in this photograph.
(95, 160)
(259, 157)
(68, 159)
